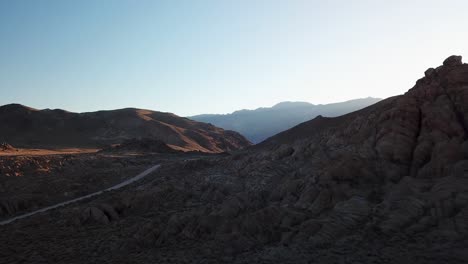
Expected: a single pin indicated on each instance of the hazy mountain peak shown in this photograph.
(261, 123)
(291, 104)
(16, 107)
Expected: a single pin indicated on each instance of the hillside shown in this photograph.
(23, 126)
(259, 124)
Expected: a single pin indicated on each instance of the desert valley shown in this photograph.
(384, 184)
(233, 132)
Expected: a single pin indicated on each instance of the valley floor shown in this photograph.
(46, 152)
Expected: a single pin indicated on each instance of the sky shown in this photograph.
(217, 56)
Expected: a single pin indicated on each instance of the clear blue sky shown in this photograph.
(194, 56)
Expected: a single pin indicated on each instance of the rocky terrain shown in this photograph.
(385, 184)
(6, 147)
(33, 182)
(264, 122)
(25, 127)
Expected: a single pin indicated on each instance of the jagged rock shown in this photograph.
(429, 72)
(453, 61)
(109, 211)
(94, 214)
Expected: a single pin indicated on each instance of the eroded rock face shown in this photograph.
(398, 168)
(453, 61)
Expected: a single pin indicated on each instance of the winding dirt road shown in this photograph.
(115, 187)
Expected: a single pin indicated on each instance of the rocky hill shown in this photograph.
(23, 126)
(262, 123)
(385, 184)
(140, 146)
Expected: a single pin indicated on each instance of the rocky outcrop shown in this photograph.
(395, 169)
(453, 61)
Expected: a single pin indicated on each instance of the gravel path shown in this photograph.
(115, 187)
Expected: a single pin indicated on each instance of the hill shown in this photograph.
(23, 126)
(259, 124)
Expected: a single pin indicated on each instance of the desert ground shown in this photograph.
(45, 152)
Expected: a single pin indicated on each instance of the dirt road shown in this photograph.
(115, 187)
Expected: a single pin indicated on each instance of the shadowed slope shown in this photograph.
(26, 127)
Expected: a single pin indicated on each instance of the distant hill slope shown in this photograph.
(259, 124)
(23, 126)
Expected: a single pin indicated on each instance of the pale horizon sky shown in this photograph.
(198, 57)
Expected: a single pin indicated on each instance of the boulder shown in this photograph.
(429, 72)
(109, 211)
(94, 214)
(453, 61)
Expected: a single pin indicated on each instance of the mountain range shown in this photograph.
(262, 123)
(23, 126)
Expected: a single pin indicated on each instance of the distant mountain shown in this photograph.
(259, 124)
(23, 126)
